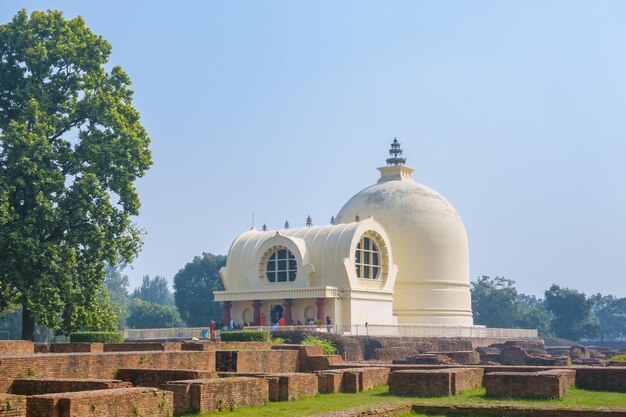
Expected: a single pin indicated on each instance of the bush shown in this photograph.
(246, 336)
(329, 348)
(104, 337)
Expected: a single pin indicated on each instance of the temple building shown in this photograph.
(396, 253)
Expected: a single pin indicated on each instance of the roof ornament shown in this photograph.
(395, 151)
(357, 218)
(287, 225)
(264, 228)
(332, 219)
(309, 221)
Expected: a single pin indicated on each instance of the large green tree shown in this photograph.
(146, 315)
(496, 303)
(71, 147)
(571, 313)
(611, 314)
(194, 285)
(155, 291)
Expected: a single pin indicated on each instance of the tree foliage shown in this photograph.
(116, 284)
(71, 147)
(496, 303)
(571, 313)
(155, 291)
(611, 314)
(146, 315)
(194, 285)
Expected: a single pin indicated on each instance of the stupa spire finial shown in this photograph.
(395, 151)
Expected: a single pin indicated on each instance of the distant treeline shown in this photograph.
(562, 312)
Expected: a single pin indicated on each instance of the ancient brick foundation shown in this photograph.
(141, 347)
(205, 395)
(434, 383)
(156, 377)
(12, 405)
(145, 402)
(80, 347)
(259, 361)
(394, 353)
(286, 387)
(330, 381)
(544, 384)
(96, 365)
(465, 357)
(601, 379)
(490, 410)
(206, 345)
(51, 386)
(283, 386)
(16, 347)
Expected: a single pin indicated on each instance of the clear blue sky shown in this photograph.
(515, 111)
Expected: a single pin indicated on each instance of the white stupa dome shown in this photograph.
(428, 241)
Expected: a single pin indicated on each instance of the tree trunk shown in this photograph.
(28, 324)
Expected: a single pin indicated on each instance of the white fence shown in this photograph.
(406, 330)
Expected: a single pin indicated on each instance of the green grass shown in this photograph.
(618, 358)
(575, 398)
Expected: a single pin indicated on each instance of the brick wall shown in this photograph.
(157, 377)
(144, 402)
(266, 361)
(290, 386)
(96, 365)
(434, 382)
(207, 345)
(141, 346)
(330, 381)
(12, 405)
(76, 347)
(51, 386)
(16, 347)
(463, 357)
(466, 378)
(431, 383)
(601, 379)
(547, 384)
(217, 394)
(320, 363)
(283, 386)
(363, 379)
(394, 353)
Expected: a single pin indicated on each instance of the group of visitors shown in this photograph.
(233, 325)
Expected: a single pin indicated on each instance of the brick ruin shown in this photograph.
(172, 378)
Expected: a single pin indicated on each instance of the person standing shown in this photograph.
(212, 333)
(328, 323)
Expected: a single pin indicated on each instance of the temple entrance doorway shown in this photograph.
(277, 312)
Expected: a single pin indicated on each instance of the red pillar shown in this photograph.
(256, 316)
(226, 306)
(321, 311)
(287, 303)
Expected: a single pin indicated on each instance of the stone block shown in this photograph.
(145, 402)
(206, 395)
(542, 384)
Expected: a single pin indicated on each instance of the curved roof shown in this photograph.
(429, 244)
(321, 253)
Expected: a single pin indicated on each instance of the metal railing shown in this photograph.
(401, 330)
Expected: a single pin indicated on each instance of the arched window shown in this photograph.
(367, 258)
(281, 266)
